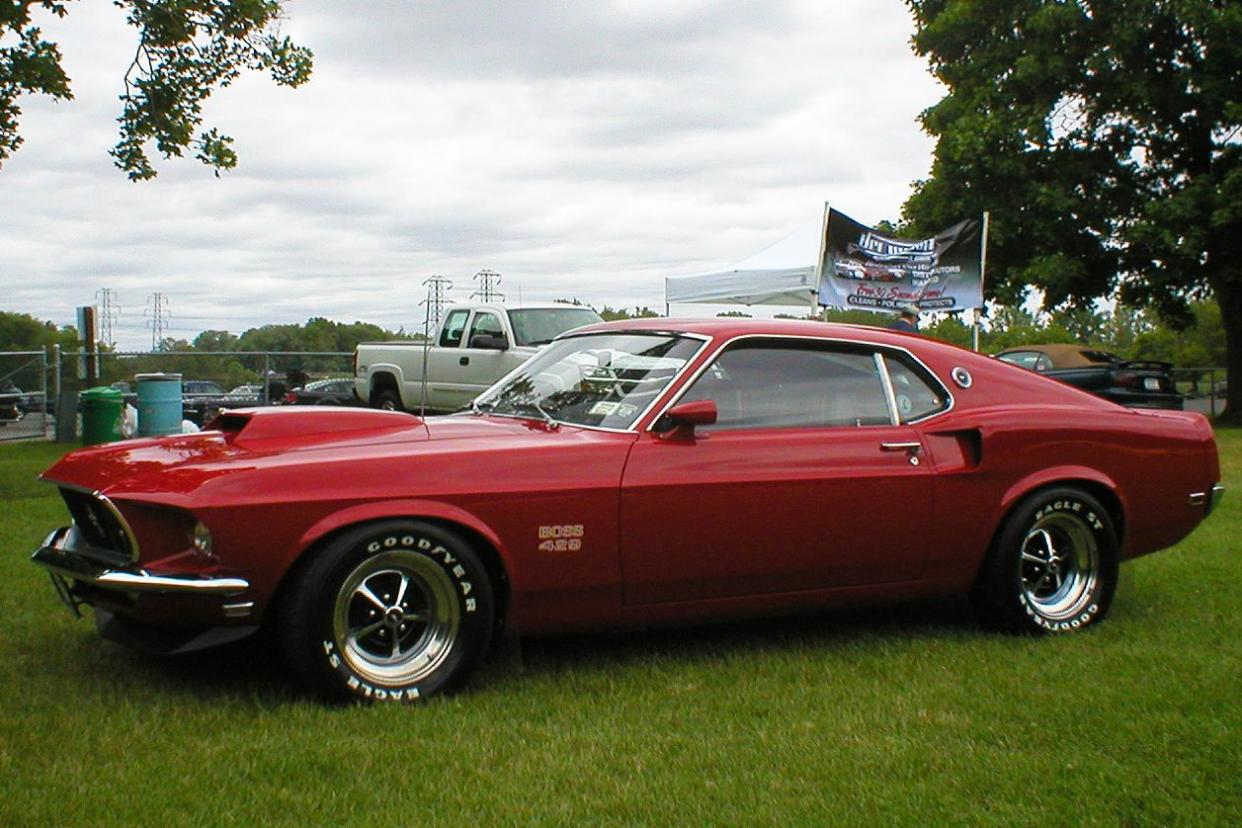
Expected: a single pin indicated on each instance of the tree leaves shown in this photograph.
(186, 50)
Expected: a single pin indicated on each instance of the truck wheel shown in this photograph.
(388, 401)
(394, 611)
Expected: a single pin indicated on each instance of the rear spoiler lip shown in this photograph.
(1146, 364)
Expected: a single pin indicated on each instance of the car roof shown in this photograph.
(734, 327)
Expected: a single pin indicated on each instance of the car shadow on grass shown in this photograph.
(925, 620)
(250, 672)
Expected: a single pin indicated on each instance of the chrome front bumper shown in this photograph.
(61, 559)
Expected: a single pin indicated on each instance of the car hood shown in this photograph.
(169, 468)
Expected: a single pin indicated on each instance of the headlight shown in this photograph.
(201, 539)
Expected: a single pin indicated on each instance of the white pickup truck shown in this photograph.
(474, 346)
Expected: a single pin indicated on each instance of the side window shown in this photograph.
(454, 327)
(484, 324)
(780, 384)
(1027, 359)
(916, 394)
(1043, 363)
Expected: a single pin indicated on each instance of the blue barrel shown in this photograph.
(159, 404)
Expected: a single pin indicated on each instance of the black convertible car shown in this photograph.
(1133, 383)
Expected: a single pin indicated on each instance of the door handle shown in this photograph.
(464, 361)
(913, 448)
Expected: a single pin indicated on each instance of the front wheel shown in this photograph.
(1053, 568)
(393, 611)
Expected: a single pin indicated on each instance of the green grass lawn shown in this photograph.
(909, 716)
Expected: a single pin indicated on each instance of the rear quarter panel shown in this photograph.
(1013, 432)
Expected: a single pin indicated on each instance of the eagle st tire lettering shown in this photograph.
(1053, 567)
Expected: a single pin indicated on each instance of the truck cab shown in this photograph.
(474, 346)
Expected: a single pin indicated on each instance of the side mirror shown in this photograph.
(680, 420)
(489, 342)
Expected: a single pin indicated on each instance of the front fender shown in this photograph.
(398, 509)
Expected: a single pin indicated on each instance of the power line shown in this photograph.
(157, 317)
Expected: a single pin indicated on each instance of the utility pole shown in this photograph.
(157, 318)
(487, 292)
(437, 297)
(109, 310)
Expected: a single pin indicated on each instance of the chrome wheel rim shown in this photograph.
(1060, 565)
(396, 618)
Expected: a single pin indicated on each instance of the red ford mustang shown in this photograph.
(631, 474)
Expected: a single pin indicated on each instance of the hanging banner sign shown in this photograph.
(865, 269)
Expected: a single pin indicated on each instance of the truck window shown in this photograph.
(539, 326)
(485, 324)
(454, 327)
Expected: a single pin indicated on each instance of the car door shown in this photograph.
(483, 366)
(809, 480)
(446, 389)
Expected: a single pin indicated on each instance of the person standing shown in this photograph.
(907, 320)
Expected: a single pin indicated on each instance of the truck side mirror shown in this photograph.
(489, 342)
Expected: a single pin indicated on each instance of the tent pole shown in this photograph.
(819, 264)
(983, 270)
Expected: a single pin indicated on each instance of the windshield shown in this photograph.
(602, 380)
(539, 326)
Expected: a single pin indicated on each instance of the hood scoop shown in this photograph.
(247, 425)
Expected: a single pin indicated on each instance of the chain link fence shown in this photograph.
(1203, 388)
(35, 386)
(210, 380)
(24, 395)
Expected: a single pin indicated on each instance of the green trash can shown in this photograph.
(103, 411)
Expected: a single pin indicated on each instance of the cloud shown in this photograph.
(585, 149)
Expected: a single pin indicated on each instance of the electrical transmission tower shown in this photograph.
(487, 292)
(437, 297)
(157, 318)
(109, 310)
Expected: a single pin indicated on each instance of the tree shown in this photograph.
(609, 314)
(1104, 137)
(186, 49)
(23, 332)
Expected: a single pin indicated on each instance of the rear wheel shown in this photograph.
(1053, 568)
(388, 401)
(393, 611)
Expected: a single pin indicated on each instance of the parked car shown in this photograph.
(245, 393)
(200, 400)
(632, 474)
(1133, 383)
(334, 391)
(10, 408)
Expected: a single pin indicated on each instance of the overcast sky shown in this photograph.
(580, 149)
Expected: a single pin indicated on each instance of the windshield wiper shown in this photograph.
(547, 418)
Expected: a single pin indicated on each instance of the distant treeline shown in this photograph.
(1124, 331)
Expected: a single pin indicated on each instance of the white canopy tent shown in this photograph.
(783, 274)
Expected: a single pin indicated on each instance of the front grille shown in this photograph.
(97, 523)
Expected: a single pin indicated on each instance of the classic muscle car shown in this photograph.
(632, 474)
